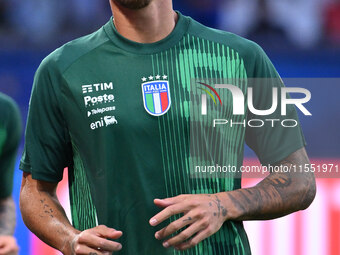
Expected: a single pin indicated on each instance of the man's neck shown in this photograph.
(150, 24)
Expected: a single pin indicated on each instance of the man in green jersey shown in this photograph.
(113, 107)
(10, 135)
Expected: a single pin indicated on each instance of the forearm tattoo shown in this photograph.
(7, 216)
(277, 195)
(221, 210)
(47, 210)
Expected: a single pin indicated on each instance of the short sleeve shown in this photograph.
(46, 152)
(275, 136)
(10, 136)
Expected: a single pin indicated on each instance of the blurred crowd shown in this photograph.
(302, 23)
(305, 23)
(41, 22)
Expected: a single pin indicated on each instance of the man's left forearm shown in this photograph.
(277, 195)
(202, 215)
(7, 216)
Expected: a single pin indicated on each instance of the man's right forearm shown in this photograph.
(7, 216)
(44, 216)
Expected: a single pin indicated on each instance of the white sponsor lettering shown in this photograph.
(100, 110)
(97, 87)
(87, 89)
(88, 100)
(152, 87)
(104, 122)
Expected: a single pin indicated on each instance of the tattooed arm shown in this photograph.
(7, 216)
(277, 195)
(45, 217)
(8, 244)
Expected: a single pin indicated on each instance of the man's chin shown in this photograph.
(133, 4)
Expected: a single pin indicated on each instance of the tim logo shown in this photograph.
(96, 87)
(104, 122)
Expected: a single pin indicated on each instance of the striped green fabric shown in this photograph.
(83, 211)
(198, 59)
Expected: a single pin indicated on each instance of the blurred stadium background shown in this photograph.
(301, 37)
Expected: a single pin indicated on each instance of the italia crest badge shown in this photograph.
(156, 94)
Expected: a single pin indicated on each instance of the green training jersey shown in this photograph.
(117, 114)
(10, 135)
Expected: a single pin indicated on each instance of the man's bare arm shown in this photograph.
(7, 216)
(277, 195)
(45, 217)
(43, 214)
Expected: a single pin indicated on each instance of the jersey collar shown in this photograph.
(148, 48)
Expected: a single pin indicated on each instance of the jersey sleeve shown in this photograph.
(273, 141)
(46, 152)
(10, 135)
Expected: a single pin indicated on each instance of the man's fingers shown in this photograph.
(199, 237)
(167, 213)
(8, 245)
(164, 202)
(184, 235)
(106, 232)
(85, 250)
(6, 249)
(173, 227)
(169, 201)
(161, 203)
(2, 243)
(93, 241)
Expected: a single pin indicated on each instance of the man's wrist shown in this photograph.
(67, 247)
(233, 212)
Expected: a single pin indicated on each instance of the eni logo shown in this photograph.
(104, 122)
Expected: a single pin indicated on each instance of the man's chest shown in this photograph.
(127, 94)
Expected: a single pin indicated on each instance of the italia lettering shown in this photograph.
(88, 100)
(153, 87)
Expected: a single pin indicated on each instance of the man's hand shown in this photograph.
(203, 215)
(277, 195)
(53, 227)
(8, 245)
(94, 241)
